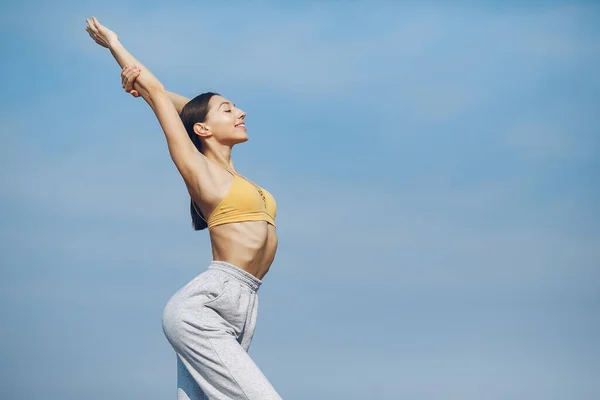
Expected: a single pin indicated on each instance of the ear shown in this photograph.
(202, 129)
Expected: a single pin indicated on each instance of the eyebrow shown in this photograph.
(226, 102)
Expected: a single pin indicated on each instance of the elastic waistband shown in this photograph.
(237, 273)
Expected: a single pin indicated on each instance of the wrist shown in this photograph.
(113, 42)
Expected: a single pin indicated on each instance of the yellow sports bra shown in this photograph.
(245, 201)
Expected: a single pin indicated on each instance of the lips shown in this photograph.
(240, 125)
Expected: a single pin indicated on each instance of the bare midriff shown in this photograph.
(250, 246)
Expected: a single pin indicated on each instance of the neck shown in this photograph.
(220, 154)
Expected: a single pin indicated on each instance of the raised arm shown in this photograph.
(178, 101)
(188, 160)
(128, 76)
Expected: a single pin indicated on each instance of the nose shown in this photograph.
(242, 114)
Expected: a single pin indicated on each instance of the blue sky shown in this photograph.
(436, 172)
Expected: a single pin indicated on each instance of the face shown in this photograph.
(225, 122)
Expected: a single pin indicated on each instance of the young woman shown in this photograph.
(210, 321)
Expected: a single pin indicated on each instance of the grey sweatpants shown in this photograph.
(210, 323)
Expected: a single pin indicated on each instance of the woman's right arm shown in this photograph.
(188, 160)
(128, 76)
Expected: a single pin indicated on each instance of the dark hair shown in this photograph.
(193, 112)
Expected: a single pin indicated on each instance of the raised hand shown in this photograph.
(101, 34)
(128, 76)
(136, 78)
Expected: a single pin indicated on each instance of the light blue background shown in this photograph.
(436, 172)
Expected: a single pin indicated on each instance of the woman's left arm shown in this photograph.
(110, 40)
(189, 161)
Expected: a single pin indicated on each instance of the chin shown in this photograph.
(239, 139)
(242, 138)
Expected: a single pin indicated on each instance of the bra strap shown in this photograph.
(197, 211)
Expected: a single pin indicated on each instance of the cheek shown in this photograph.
(223, 126)
(225, 119)
(220, 123)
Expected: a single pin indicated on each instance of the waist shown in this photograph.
(237, 274)
(248, 245)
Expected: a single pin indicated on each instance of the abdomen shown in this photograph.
(248, 245)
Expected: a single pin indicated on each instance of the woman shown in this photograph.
(210, 321)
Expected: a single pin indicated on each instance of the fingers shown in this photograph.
(89, 31)
(129, 79)
(92, 34)
(91, 26)
(97, 37)
(128, 76)
(96, 23)
(128, 73)
(123, 74)
(94, 29)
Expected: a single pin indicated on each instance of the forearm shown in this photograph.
(121, 55)
(183, 151)
(124, 58)
(146, 82)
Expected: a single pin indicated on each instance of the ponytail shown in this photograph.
(198, 221)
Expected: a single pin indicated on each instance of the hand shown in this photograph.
(101, 34)
(128, 76)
